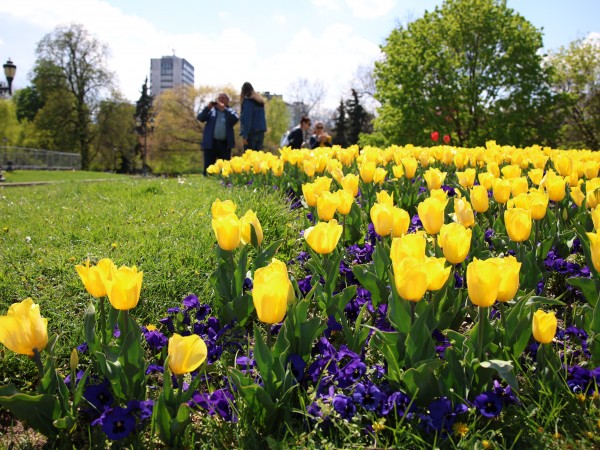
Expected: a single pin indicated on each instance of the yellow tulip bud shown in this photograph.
(544, 326)
(400, 222)
(410, 167)
(272, 291)
(563, 165)
(492, 167)
(93, 277)
(437, 274)
(518, 224)
(596, 217)
(220, 208)
(538, 204)
(590, 169)
(411, 245)
(23, 329)
(508, 268)
(535, 175)
(486, 179)
(431, 213)
(519, 185)
(483, 281)
(410, 279)
(398, 171)
(186, 353)
(327, 204)
(367, 171)
(124, 287)
(511, 171)
(467, 178)
(455, 241)
(464, 212)
(501, 190)
(379, 175)
(385, 197)
(382, 218)
(556, 188)
(227, 231)
(248, 221)
(480, 199)
(309, 167)
(350, 184)
(310, 197)
(324, 236)
(345, 201)
(595, 249)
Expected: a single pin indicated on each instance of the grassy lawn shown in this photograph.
(162, 226)
(29, 176)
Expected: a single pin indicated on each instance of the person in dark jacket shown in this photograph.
(253, 121)
(297, 136)
(219, 137)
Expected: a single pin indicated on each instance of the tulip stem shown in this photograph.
(413, 306)
(180, 392)
(537, 236)
(480, 334)
(102, 321)
(269, 336)
(503, 320)
(38, 362)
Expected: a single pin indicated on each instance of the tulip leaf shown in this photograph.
(422, 380)
(239, 309)
(266, 255)
(399, 310)
(588, 288)
(505, 370)
(537, 301)
(453, 372)
(257, 399)
(366, 276)
(239, 275)
(39, 411)
(264, 360)
(331, 265)
(89, 324)
(161, 419)
(389, 343)
(419, 343)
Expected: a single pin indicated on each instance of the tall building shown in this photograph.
(169, 72)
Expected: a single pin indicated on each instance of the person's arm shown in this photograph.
(204, 114)
(245, 119)
(313, 141)
(231, 116)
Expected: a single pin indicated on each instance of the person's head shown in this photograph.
(304, 123)
(319, 128)
(247, 90)
(223, 98)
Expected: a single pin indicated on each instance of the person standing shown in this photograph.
(219, 138)
(253, 121)
(296, 137)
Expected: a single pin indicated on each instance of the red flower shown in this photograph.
(435, 136)
(446, 139)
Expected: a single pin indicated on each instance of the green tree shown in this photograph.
(278, 119)
(576, 77)
(28, 101)
(341, 126)
(359, 120)
(71, 63)
(471, 69)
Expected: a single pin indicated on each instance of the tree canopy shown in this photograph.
(471, 69)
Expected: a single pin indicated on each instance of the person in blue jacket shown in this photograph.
(253, 121)
(219, 138)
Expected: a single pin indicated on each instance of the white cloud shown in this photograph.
(280, 18)
(370, 9)
(331, 5)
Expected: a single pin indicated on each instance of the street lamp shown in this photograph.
(9, 72)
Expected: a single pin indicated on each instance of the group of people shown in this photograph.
(219, 137)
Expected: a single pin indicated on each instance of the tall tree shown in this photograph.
(278, 119)
(305, 96)
(470, 68)
(576, 76)
(29, 102)
(359, 120)
(71, 59)
(340, 128)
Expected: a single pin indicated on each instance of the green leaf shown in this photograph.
(587, 286)
(421, 382)
(266, 255)
(366, 276)
(239, 309)
(505, 370)
(264, 360)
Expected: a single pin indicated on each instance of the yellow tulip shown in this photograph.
(595, 249)
(424, 157)
(455, 241)
(556, 188)
(324, 236)
(367, 171)
(518, 224)
(327, 204)
(247, 222)
(272, 291)
(492, 167)
(519, 185)
(483, 281)
(411, 245)
(23, 329)
(186, 353)
(400, 222)
(410, 279)
(467, 178)
(508, 268)
(596, 217)
(539, 204)
(310, 196)
(464, 212)
(93, 277)
(385, 197)
(309, 168)
(480, 199)
(535, 175)
(382, 218)
(592, 198)
(124, 287)
(544, 326)
(227, 231)
(398, 171)
(590, 169)
(379, 175)
(486, 179)
(440, 194)
(345, 201)
(431, 213)
(563, 165)
(576, 195)
(322, 184)
(434, 178)
(501, 190)
(437, 274)
(410, 167)
(350, 183)
(511, 171)
(220, 208)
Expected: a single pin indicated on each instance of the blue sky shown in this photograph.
(269, 43)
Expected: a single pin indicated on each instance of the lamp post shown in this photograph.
(9, 72)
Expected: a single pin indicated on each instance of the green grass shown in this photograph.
(161, 226)
(31, 176)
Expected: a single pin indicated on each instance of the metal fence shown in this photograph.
(35, 159)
